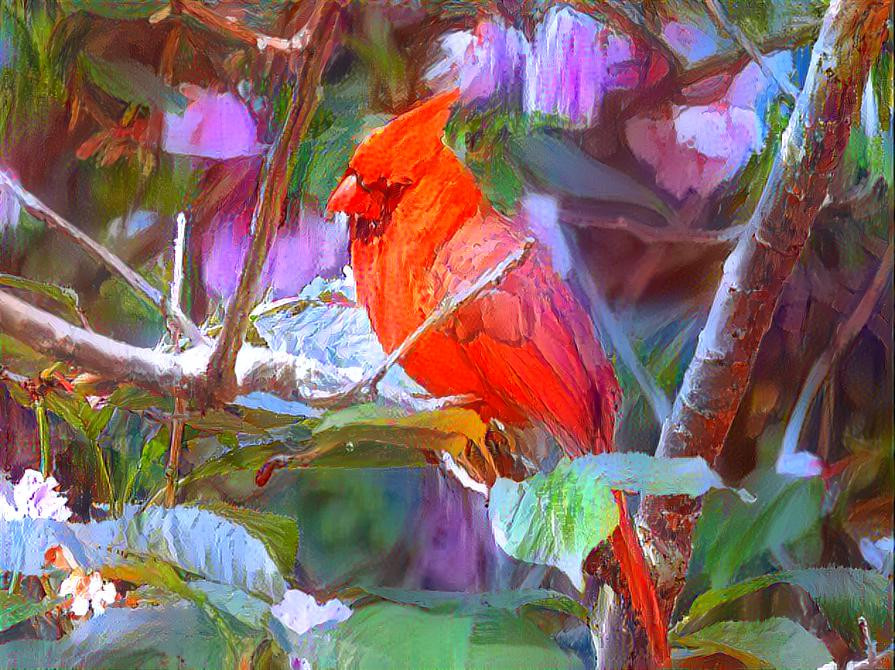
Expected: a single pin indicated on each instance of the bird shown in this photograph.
(524, 352)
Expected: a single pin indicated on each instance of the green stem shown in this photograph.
(104, 471)
(43, 435)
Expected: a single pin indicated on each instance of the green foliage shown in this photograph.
(115, 9)
(62, 295)
(833, 589)
(149, 637)
(773, 643)
(386, 635)
(731, 533)
(14, 608)
(132, 83)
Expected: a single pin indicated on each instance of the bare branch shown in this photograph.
(717, 377)
(231, 28)
(290, 377)
(720, 17)
(99, 253)
(845, 333)
(271, 198)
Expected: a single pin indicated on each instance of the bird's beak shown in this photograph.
(353, 199)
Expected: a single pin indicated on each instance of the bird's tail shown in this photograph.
(642, 590)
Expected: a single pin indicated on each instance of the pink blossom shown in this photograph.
(697, 148)
(214, 125)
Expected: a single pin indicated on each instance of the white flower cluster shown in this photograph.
(299, 612)
(88, 591)
(32, 497)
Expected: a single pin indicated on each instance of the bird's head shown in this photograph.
(389, 160)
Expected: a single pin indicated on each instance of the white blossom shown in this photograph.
(299, 612)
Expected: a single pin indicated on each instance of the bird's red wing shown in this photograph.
(530, 341)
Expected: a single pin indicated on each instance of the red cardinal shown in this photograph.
(420, 229)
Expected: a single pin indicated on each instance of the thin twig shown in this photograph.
(845, 333)
(177, 273)
(271, 198)
(446, 308)
(739, 36)
(99, 253)
(230, 27)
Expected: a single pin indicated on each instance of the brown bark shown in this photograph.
(717, 377)
(273, 186)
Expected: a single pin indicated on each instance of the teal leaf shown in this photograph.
(558, 518)
(773, 643)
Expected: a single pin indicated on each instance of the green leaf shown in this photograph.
(194, 540)
(773, 643)
(115, 9)
(278, 533)
(841, 594)
(558, 518)
(386, 635)
(133, 83)
(14, 608)
(731, 533)
(62, 295)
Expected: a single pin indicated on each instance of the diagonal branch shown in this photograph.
(717, 378)
(41, 211)
(845, 333)
(719, 15)
(271, 200)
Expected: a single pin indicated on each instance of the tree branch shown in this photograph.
(845, 333)
(99, 253)
(717, 377)
(271, 198)
(290, 377)
(229, 27)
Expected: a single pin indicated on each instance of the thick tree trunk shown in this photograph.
(716, 380)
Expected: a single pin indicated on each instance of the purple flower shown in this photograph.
(309, 247)
(299, 612)
(214, 125)
(32, 497)
(487, 61)
(575, 61)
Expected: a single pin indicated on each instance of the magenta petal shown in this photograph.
(214, 125)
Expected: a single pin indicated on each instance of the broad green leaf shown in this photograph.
(842, 594)
(15, 608)
(176, 636)
(62, 295)
(447, 430)
(773, 643)
(387, 635)
(248, 610)
(730, 534)
(558, 518)
(116, 9)
(133, 83)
